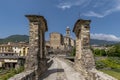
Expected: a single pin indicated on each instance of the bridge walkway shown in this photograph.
(60, 70)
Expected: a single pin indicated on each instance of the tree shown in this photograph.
(73, 52)
(97, 52)
(102, 52)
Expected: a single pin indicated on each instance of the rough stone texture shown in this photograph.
(97, 75)
(36, 58)
(36, 62)
(26, 75)
(84, 60)
(56, 40)
(59, 41)
(61, 70)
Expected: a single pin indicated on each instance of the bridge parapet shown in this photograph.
(26, 75)
(36, 62)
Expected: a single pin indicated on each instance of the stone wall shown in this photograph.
(97, 75)
(26, 75)
(56, 40)
(36, 62)
(59, 41)
(36, 59)
(84, 60)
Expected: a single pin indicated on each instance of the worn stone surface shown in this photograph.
(36, 62)
(56, 40)
(61, 70)
(36, 58)
(26, 75)
(59, 41)
(97, 75)
(84, 59)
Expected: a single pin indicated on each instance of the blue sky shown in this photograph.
(105, 16)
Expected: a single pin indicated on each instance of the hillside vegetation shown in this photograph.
(25, 38)
(15, 38)
(113, 51)
(109, 65)
(108, 60)
(101, 42)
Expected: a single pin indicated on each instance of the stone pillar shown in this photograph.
(35, 58)
(84, 60)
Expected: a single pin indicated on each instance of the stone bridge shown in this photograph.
(37, 67)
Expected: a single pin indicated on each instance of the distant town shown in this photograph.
(10, 52)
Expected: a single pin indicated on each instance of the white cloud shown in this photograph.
(101, 15)
(107, 37)
(93, 14)
(70, 3)
(105, 11)
(92, 8)
(64, 6)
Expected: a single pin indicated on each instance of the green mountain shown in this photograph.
(15, 38)
(101, 42)
(25, 38)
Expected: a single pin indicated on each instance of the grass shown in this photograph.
(11, 73)
(113, 73)
(110, 66)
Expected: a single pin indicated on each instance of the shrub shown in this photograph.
(73, 52)
(99, 52)
(11, 73)
(108, 63)
(100, 65)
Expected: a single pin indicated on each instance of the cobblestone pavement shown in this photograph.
(60, 70)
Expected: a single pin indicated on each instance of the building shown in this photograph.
(99, 47)
(68, 41)
(21, 48)
(6, 47)
(8, 60)
(10, 54)
(56, 40)
(72, 42)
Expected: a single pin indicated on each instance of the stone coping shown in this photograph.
(26, 75)
(98, 75)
